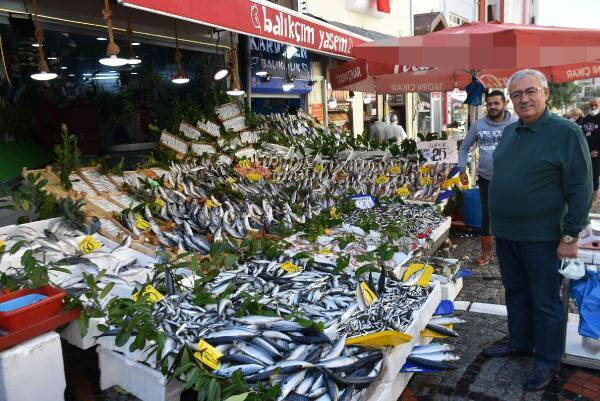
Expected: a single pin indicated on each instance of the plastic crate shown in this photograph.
(30, 313)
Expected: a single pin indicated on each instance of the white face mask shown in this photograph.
(574, 270)
(594, 112)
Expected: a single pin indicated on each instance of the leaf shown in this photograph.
(214, 390)
(83, 323)
(106, 290)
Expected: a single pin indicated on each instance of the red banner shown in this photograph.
(348, 73)
(260, 19)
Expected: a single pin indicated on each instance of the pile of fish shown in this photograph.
(413, 221)
(58, 248)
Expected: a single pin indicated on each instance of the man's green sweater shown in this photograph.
(542, 183)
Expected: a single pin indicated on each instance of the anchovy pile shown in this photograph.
(393, 310)
(413, 220)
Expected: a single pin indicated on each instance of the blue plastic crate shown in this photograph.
(20, 302)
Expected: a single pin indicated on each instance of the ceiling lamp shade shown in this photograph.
(221, 74)
(367, 99)
(43, 73)
(112, 58)
(180, 77)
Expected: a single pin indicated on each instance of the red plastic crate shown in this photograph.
(33, 313)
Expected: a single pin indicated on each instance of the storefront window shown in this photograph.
(424, 113)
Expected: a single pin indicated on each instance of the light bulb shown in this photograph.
(101, 38)
(235, 92)
(180, 79)
(287, 86)
(367, 99)
(222, 73)
(135, 43)
(43, 76)
(113, 61)
(261, 73)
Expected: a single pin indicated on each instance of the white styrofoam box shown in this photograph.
(72, 335)
(451, 288)
(491, 309)
(577, 345)
(586, 255)
(33, 370)
(140, 380)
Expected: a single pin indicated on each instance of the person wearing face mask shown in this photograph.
(591, 127)
(486, 132)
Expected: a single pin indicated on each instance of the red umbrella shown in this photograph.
(487, 45)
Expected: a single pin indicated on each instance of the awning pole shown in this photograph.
(248, 56)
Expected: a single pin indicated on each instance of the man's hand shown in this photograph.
(567, 250)
(464, 178)
(594, 153)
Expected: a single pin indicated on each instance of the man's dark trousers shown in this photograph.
(532, 287)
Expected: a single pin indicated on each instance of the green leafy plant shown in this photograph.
(31, 199)
(67, 157)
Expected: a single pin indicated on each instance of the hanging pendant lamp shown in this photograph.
(133, 59)
(44, 73)
(180, 77)
(112, 50)
(235, 88)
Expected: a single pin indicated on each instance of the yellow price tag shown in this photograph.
(278, 170)
(290, 267)
(141, 223)
(382, 179)
(403, 191)
(424, 169)
(151, 292)
(230, 180)
(89, 244)
(1, 244)
(327, 231)
(326, 251)
(426, 180)
(394, 170)
(245, 163)
(209, 203)
(253, 176)
(319, 168)
(159, 202)
(333, 213)
(208, 355)
(368, 295)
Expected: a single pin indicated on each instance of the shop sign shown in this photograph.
(270, 55)
(261, 19)
(316, 110)
(439, 151)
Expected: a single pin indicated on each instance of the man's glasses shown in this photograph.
(517, 95)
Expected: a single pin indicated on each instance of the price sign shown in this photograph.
(89, 244)
(382, 179)
(439, 151)
(159, 202)
(394, 170)
(208, 355)
(368, 295)
(319, 168)
(141, 223)
(151, 292)
(426, 181)
(290, 267)
(364, 201)
(244, 163)
(403, 191)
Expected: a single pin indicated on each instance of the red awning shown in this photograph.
(261, 19)
(488, 45)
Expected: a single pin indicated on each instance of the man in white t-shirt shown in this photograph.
(394, 130)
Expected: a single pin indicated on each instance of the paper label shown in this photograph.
(319, 168)
(290, 267)
(326, 251)
(333, 213)
(88, 245)
(426, 180)
(141, 223)
(424, 170)
(244, 163)
(394, 170)
(382, 179)
(230, 180)
(152, 294)
(209, 203)
(368, 295)
(1, 244)
(327, 231)
(364, 201)
(208, 355)
(278, 170)
(253, 176)
(403, 191)
(159, 202)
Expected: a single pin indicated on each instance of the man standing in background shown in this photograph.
(395, 130)
(591, 127)
(486, 132)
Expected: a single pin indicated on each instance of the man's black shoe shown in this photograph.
(504, 349)
(539, 379)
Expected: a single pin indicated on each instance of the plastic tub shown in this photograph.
(22, 312)
(472, 207)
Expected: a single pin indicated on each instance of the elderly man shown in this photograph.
(539, 200)
(591, 128)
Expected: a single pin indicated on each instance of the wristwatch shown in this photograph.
(567, 239)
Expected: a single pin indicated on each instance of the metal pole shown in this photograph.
(324, 93)
(248, 57)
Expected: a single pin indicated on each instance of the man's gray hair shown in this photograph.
(595, 99)
(393, 117)
(523, 73)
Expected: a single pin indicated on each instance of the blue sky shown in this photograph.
(571, 13)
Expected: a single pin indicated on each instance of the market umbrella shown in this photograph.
(445, 79)
(487, 45)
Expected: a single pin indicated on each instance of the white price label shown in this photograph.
(439, 151)
(364, 201)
